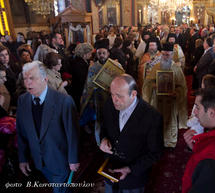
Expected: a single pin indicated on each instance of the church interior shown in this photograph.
(31, 29)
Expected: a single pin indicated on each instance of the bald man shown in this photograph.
(131, 136)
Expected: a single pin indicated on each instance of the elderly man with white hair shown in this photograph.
(46, 126)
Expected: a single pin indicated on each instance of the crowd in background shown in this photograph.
(127, 45)
(67, 68)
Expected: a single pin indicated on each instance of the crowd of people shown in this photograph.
(50, 90)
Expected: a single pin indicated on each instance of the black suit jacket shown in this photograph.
(199, 51)
(78, 69)
(56, 146)
(203, 65)
(211, 68)
(192, 42)
(140, 143)
(181, 41)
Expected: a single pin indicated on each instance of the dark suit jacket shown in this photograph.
(199, 51)
(211, 68)
(56, 146)
(192, 43)
(140, 142)
(203, 64)
(78, 69)
(181, 41)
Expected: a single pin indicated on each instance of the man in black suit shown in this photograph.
(194, 35)
(46, 126)
(179, 38)
(131, 136)
(202, 66)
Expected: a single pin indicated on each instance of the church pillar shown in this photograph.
(192, 15)
(8, 18)
(134, 13)
(159, 15)
(95, 17)
(127, 12)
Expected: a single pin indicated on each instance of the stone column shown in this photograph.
(126, 12)
(95, 17)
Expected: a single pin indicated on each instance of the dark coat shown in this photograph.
(131, 67)
(181, 40)
(211, 68)
(56, 146)
(78, 68)
(140, 141)
(192, 43)
(203, 64)
(11, 74)
(199, 51)
(116, 53)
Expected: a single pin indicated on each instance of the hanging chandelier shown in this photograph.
(42, 7)
(170, 5)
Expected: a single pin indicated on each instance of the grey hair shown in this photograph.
(30, 65)
(82, 49)
(132, 85)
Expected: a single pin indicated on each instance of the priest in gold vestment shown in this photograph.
(151, 56)
(173, 107)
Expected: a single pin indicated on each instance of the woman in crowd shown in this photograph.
(3, 90)
(53, 65)
(26, 47)
(117, 53)
(130, 63)
(12, 70)
(25, 56)
(78, 69)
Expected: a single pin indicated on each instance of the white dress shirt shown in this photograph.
(126, 113)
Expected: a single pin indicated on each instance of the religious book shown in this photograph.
(108, 72)
(106, 170)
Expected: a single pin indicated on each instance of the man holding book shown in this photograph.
(131, 136)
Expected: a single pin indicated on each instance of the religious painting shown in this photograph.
(78, 36)
(165, 84)
(111, 15)
(107, 73)
(100, 18)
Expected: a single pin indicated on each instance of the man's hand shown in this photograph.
(25, 168)
(106, 146)
(188, 135)
(124, 171)
(74, 167)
